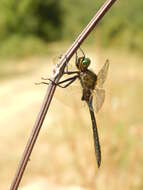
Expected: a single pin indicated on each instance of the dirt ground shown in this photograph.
(60, 154)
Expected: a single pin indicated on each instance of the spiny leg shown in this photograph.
(66, 69)
(77, 55)
(82, 51)
(65, 72)
(69, 72)
(66, 85)
(71, 80)
(76, 58)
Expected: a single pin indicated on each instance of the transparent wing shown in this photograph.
(102, 75)
(98, 99)
(52, 64)
(70, 96)
(70, 65)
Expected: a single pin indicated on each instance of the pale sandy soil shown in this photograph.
(64, 153)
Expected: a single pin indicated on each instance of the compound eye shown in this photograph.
(86, 62)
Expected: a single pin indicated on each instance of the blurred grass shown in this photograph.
(19, 47)
(64, 152)
(25, 34)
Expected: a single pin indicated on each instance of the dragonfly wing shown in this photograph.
(70, 96)
(56, 59)
(99, 96)
(102, 75)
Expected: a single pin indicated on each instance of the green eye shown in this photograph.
(86, 61)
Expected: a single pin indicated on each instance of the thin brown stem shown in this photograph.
(57, 74)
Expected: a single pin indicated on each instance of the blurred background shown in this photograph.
(32, 34)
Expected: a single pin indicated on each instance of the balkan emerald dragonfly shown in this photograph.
(92, 89)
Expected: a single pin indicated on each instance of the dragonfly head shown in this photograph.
(83, 63)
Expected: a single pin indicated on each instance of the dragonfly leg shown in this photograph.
(76, 58)
(67, 71)
(71, 72)
(72, 79)
(66, 65)
(77, 55)
(82, 51)
(44, 78)
(69, 80)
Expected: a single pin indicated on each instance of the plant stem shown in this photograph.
(57, 74)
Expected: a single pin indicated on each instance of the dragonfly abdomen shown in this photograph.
(86, 94)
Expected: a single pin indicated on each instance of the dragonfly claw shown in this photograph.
(38, 83)
(42, 78)
(48, 79)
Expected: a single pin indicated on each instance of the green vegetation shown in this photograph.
(122, 26)
(40, 22)
(28, 17)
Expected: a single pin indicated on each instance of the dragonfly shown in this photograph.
(92, 91)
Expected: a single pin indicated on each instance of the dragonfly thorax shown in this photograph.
(88, 82)
(83, 63)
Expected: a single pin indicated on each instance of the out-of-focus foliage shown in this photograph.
(31, 18)
(122, 26)
(51, 20)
